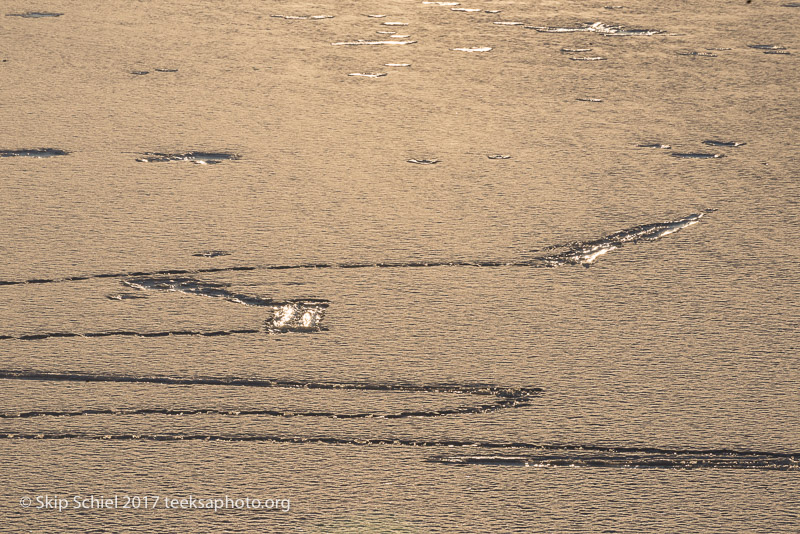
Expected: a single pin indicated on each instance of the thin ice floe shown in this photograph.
(476, 49)
(587, 252)
(594, 58)
(395, 23)
(498, 156)
(767, 47)
(629, 33)
(144, 72)
(35, 15)
(712, 142)
(397, 64)
(126, 296)
(655, 145)
(295, 315)
(302, 17)
(368, 74)
(556, 29)
(465, 9)
(33, 153)
(508, 23)
(193, 286)
(696, 155)
(369, 42)
(200, 158)
(424, 161)
(211, 253)
(597, 27)
(589, 99)
(697, 54)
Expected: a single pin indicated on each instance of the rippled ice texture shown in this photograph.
(671, 344)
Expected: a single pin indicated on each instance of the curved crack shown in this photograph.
(578, 253)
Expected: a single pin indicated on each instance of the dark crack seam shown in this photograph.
(210, 333)
(506, 397)
(519, 393)
(403, 442)
(646, 232)
(482, 408)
